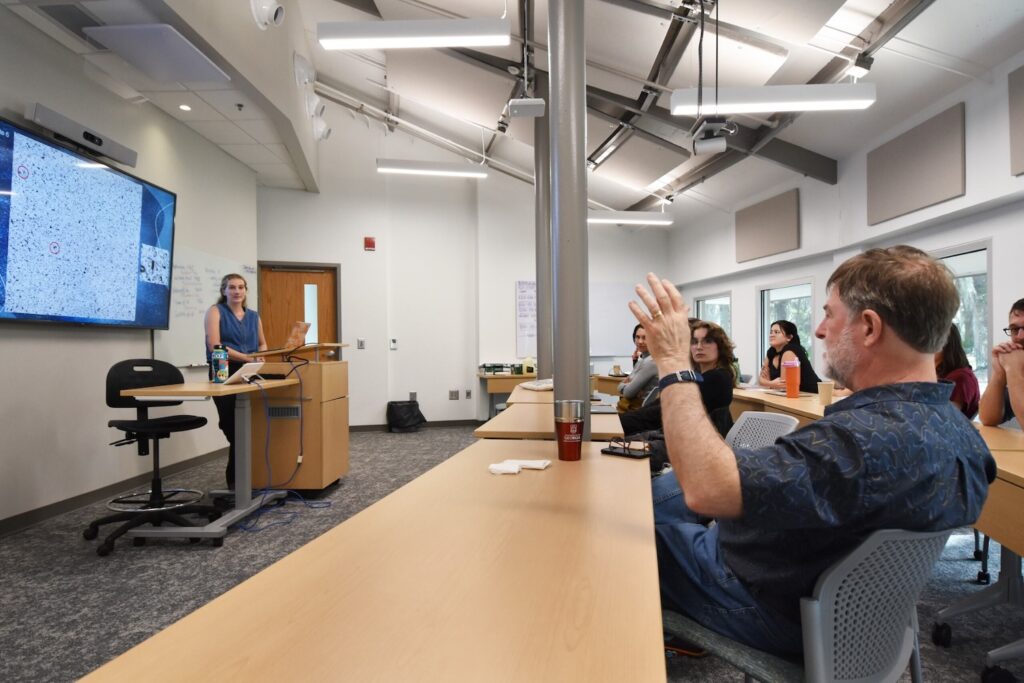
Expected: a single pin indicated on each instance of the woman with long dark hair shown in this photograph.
(951, 366)
(784, 345)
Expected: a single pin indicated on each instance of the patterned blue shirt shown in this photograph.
(898, 456)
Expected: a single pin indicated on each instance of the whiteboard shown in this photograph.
(195, 286)
(611, 322)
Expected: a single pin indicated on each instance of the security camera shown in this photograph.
(266, 13)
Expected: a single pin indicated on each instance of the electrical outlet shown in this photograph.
(453, 394)
(469, 393)
(412, 395)
(360, 343)
(394, 344)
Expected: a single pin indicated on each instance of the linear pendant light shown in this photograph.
(774, 98)
(629, 218)
(388, 35)
(435, 168)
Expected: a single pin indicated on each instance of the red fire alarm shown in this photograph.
(369, 244)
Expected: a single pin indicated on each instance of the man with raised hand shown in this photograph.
(894, 454)
(1004, 395)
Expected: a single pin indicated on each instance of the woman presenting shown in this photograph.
(784, 345)
(231, 323)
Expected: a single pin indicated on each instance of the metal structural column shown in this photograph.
(567, 112)
(542, 220)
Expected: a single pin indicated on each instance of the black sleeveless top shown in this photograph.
(808, 378)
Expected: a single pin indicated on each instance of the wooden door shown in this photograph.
(283, 291)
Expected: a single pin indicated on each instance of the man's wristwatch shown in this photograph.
(681, 376)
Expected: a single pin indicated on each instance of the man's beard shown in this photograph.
(841, 359)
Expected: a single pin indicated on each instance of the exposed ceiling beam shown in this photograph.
(368, 6)
(893, 19)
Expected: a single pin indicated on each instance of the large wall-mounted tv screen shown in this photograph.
(80, 242)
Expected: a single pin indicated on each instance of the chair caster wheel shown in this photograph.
(979, 555)
(997, 674)
(942, 635)
(91, 533)
(105, 549)
(984, 578)
(218, 542)
(138, 541)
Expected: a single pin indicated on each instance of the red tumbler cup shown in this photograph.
(569, 428)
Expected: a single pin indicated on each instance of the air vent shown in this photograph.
(285, 412)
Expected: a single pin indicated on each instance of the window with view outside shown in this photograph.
(716, 309)
(791, 303)
(970, 273)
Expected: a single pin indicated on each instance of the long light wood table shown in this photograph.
(244, 503)
(460, 575)
(607, 384)
(523, 395)
(537, 421)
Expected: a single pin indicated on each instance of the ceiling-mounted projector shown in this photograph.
(526, 107)
(709, 135)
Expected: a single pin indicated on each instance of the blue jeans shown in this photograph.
(695, 580)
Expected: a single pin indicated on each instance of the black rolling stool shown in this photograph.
(156, 505)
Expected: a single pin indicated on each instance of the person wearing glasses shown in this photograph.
(1004, 396)
(711, 351)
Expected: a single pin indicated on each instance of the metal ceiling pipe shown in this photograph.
(567, 117)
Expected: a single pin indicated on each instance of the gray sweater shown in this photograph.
(642, 380)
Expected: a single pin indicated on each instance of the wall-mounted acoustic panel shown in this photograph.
(1016, 88)
(768, 227)
(920, 168)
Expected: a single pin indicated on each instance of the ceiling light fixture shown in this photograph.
(861, 66)
(629, 218)
(435, 168)
(184, 107)
(776, 98)
(389, 35)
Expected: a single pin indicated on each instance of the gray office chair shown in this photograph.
(755, 429)
(860, 624)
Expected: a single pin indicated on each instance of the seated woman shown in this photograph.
(951, 365)
(783, 345)
(712, 354)
(635, 388)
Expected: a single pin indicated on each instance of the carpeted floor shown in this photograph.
(67, 611)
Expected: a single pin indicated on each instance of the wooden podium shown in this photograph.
(323, 409)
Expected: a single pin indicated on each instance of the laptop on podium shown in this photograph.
(296, 339)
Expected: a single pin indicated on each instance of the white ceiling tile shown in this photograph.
(251, 154)
(280, 151)
(227, 103)
(222, 132)
(261, 129)
(170, 102)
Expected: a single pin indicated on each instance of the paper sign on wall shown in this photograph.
(526, 318)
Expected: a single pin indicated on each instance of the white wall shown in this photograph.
(52, 411)
(442, 279)
(834, 223)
